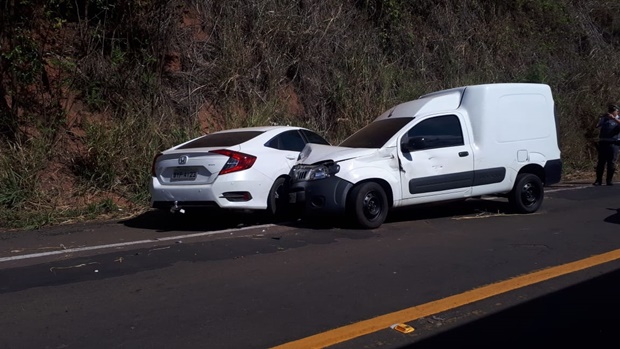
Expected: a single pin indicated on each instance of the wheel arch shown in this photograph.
(534, 169)
(286, 178)
(383, 183)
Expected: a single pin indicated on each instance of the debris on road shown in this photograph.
(53, 269)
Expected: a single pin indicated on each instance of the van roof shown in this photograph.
(451, 99)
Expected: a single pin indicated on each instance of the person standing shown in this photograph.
(607, 146)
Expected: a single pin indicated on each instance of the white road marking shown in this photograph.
(130, 243)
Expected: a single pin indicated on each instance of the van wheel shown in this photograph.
(277, 203)
(527, 194)
(368, 205)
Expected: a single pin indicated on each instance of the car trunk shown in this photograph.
(189, 167)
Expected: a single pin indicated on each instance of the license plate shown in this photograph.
(184, 174)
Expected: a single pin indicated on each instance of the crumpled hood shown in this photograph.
(313, 153)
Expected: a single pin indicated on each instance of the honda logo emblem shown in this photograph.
(183, 160)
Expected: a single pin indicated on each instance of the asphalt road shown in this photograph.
(236, 281)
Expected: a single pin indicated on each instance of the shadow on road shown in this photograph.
(614, 218)
(584, 315)
(198, 220)
(208, 220)
(449, 209)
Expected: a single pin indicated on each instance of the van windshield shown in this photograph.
(375, 134)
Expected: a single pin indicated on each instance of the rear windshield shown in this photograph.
(375, 134)
(225, 139)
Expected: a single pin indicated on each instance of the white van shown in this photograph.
(492, 139)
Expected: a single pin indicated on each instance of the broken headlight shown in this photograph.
(316, 171)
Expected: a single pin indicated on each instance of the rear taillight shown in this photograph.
(237, 161)
(153, 165)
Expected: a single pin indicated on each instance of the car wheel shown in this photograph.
(277, 203)
(368, 205)
(527, 194)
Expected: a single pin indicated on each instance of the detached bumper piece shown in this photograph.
(324, 196)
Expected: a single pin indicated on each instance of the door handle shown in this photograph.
(463, 153)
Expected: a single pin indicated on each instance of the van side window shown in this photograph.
(438, 132)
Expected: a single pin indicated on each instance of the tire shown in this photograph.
(277, 202)
(527, 194)
(368, 205)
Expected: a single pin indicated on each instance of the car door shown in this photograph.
(436, 160)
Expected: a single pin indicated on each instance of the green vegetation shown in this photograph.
(92, 90)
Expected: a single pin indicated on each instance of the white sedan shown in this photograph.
(244, 168)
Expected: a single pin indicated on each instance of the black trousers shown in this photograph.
(607, 156)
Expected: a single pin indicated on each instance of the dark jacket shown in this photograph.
(609, 129)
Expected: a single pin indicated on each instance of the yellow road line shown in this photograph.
(382, 322)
